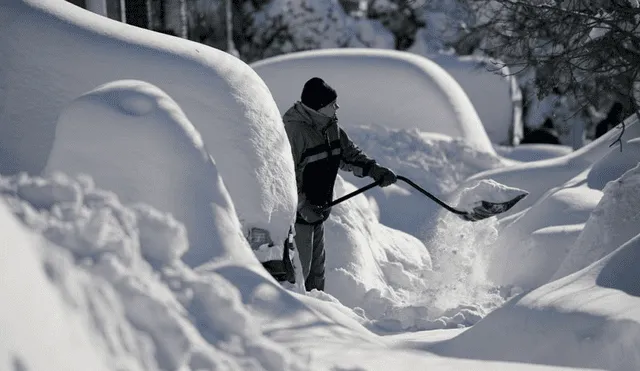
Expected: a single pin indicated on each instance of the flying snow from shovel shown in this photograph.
(489, 197)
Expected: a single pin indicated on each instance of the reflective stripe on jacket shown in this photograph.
(320, 147)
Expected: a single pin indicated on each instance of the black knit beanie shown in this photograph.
(316, 93)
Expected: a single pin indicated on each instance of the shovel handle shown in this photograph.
(404, 179)
(354, 193)
(484, 210)
(434, 198)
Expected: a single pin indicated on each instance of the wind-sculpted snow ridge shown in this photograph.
(615, 220)
(589, 317)
(66, 51)
(550, 239)
(119, 268)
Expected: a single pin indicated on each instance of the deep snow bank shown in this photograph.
(113, 273)
(614, 220)
(52, 52)
(549, 236)
(588, 319)
(494, 93)
(533, 152)
(372, 267)
(435, 162)
(538, 177)
(40, 329)
(134, 140)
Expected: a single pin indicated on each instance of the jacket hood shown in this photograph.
(301, 114)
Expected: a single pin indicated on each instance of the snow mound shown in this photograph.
(588, 317)
(141, 307)
(435, 162)
(615, 163)
(619, 271)
(162, 238)
(522, 257)
(547, 241)
(370, 266)
(494, 93)
(222, 97)
(613, 221)
(571, 322)
(533, 152)
(31, 304)
(540, 176)
(146, 150)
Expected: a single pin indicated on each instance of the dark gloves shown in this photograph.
(381, 173)
(312, 213)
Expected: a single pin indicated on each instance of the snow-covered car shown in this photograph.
(229, 106)
(495, 94)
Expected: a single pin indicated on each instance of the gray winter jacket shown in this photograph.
(320, 147)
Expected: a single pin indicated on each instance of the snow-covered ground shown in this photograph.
(150, 156)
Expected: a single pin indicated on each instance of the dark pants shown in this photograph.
(310, 244)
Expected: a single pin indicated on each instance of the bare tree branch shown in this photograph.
(588, 48)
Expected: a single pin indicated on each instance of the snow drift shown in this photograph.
(145, 150)
(121, 295)
(104, 286)
(586, 319)
(52, 52)
(538, 177)
(534, 249)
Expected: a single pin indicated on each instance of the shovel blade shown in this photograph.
(488, 209)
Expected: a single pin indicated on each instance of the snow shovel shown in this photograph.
(483, 210)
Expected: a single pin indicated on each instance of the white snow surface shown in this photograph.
(124, 260)
(596, 306)
(494, 94)
(117, 269)
(534, 248)
(29, 328)
(435, 162)
(156, 156)
(222, 97)
(538, 177)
